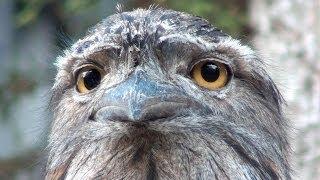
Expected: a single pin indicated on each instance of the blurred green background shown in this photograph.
(34, 32)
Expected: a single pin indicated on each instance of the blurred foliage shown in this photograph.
(26, 162)
(29, 11)
(11, 90)
(231, 15)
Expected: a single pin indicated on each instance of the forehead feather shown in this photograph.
(147, 23)
(156, 24)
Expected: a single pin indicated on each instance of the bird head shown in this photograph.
(162, 94)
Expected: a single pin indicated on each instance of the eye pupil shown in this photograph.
(91, 79)
(210, 72)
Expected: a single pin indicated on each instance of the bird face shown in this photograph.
(162, 94)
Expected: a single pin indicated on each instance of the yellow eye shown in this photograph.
(88, 80)
(210, 74)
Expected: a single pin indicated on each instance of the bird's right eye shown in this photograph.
(88, 79)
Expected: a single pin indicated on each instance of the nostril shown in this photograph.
(150, 112)
(91, 117)
(111, 113)
(163, 110)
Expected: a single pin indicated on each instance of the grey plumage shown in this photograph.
(148, 119)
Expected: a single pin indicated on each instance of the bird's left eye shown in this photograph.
(210, 74)
(88, 79)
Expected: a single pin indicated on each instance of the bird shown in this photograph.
(161, 94)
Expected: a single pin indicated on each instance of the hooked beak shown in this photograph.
(142, 99)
